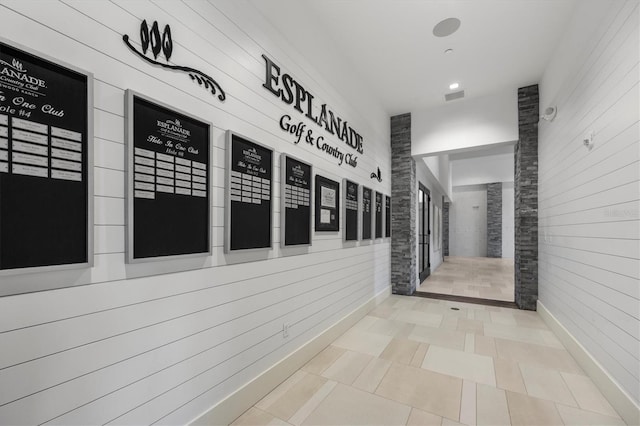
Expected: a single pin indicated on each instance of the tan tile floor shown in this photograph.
(480, 277)
(416, 361)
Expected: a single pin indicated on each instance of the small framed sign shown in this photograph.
(168, 181)
(378, 215)
(387, 216)
(366, 213)
(295, 203)
(351, 209)
(249, 191)
(46, 163)
(327, 204)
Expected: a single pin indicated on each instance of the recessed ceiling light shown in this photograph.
(454, 86)
(446, 27)
(448, 51)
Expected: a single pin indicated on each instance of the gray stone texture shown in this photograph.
(445, 229)
(526, 199)
(494, 219)
(403, 215)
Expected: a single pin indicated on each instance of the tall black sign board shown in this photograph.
(378, 215)
(46, 184)
(387, 216)
(351, 210)
(296, 202)
(366, 213)
(248, 204)
(168, 181)
(327, 204)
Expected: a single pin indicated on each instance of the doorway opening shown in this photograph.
(424, 232)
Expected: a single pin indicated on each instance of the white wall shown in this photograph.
(138, 343)
(479, 170)
(465, 124)
(508, 220)
(424, 176)
(468, 221)
(589, 272)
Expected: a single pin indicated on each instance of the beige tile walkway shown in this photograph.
(479, 277)
(416, 361)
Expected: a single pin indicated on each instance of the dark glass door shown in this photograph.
(424, 232)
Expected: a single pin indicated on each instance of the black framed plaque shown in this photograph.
(387, 216)
(378, 213)
(46, 162)
(327, 204)
(168, 181)
(350, 210)
(296, 203)
(366, 213)
(248, 206)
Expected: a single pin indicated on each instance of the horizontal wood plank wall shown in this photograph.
(143, 343)
(589, 199)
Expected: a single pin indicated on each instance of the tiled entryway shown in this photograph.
(479, 277)
(416, 361)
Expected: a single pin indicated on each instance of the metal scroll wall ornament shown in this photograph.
(151, 38)
(377, 176)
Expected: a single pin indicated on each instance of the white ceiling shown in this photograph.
(389, 44)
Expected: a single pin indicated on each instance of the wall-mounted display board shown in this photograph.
(248, 206)
(350, 210)
(295, 222)
(327, 204)
(378, 213)
(168, 181)
(387, 216)
(366, 213)
(46, 162)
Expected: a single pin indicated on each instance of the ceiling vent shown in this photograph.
(455, 95)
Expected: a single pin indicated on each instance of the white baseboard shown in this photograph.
(617, 397)
(244, 398)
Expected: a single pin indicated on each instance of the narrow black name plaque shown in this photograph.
(46, 184)
(366, 213)
(387, 216)
(168, 197)
(296, 202)
(350, 210)
(249, 189)
(378, 215)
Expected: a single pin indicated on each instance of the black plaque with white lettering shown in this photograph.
(387, 216)
(46, 187)
(168, 200)
(350, 210)
(327, 204)
(249, 191)
(378, 215)
(366, 213)
(296, 202)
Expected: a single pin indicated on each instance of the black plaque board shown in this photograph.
(168, 210)
(378, 215)
(46, 183)
(366, 213)
(350, 210)
(296, 202)
(327, 204)
(249, 194)
(387, 216)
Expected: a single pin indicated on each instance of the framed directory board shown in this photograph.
(295, 204)
(378, 213)
(366, 213)
(248, 206)
(351, 209)
(387, 216)
(327, 204)
(168, 181)
(46, 163)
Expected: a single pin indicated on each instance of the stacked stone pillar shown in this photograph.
(403, 215)
(445, 228)
(494, 219)
(526, 199)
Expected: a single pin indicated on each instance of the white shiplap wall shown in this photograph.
(142, 343)
(589, 242)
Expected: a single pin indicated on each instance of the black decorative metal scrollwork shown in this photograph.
(162, 43)
(377, 176)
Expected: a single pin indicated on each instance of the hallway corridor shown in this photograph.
(418, 361)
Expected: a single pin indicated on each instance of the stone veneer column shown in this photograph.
(494, 219)
(445, 228)
(403, 216)
(526, 199)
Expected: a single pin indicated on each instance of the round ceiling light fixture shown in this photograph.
(454, 86)
(448, 51)
(446, 27)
